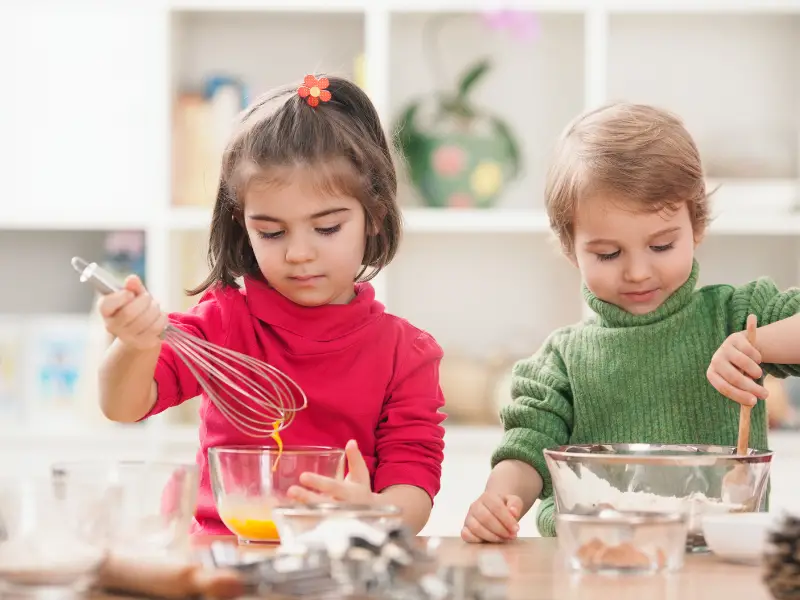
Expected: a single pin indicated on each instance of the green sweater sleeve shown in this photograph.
(763, 299)
(540, 415)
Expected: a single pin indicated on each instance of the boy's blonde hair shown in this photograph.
(639, 153)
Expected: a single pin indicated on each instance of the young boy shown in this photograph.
(627, 199)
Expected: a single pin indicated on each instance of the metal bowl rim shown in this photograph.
(686, 453)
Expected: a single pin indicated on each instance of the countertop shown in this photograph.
(538, 573)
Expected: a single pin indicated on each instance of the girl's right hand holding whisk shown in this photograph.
(133, 316)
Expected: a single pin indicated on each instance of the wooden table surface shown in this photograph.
(538, 573)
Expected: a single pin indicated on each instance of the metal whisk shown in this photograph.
(252, 395)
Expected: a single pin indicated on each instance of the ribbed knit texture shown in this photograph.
(624, 378)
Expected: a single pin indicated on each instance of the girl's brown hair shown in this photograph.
(641, 153)
(340, 144)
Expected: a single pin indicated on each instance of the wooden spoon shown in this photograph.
(736, 487)
(744, 411)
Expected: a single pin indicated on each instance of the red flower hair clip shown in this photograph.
(314, 90)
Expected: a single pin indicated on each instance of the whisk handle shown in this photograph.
(103, 281)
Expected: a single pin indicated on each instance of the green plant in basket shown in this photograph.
(459, 155)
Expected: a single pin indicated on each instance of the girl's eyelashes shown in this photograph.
(613, 255)
(273, 235)
(328, 230)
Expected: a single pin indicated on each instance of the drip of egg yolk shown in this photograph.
(276, 435)
(254, 529)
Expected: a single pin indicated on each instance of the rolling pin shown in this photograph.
(170, 580)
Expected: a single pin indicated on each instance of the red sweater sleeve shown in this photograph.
(176, 384)
(410, 437)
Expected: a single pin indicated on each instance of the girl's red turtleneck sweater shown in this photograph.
(368, 376)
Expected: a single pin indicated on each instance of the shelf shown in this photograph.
(499, 269)
(698, 6)
(144, 435)
(282, 6)
(416, 220)
(432, 220)
(732, 203)
(751, 224)
(397, 6)
(629, 6)
(28, 218)
(460, 438)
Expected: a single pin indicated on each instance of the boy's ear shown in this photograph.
(699, 236)
(570, 254)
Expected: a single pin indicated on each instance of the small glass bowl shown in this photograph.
(612, 542)
(248, 482)
(295, 520)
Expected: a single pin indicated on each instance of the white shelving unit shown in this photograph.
(88, 129)
(86, 133)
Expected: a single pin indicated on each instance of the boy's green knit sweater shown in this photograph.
(624, 378)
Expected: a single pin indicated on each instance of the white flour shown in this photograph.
(587, 489)
(47, 560)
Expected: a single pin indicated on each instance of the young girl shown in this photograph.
(306, 212)
(627, 199)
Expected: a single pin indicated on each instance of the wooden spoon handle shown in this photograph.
(743, 442)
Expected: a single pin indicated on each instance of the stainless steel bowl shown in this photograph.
(658, 477)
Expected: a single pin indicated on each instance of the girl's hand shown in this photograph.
(132, 316)
(734, 367)
(492, 518)
(355, 488)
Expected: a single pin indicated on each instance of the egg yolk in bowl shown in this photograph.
(249, 518)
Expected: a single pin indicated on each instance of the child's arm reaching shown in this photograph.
(511, 490)
(539, 417)
(409, 440)
(127, 389)
(737, 363)
(779, 343)
(414, 502)
(139, 375)
(409, 444)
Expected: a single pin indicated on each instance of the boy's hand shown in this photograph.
(355, 488)
(734, 367)
(492, 518)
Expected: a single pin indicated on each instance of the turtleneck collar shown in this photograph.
(315, 323)
(611, 315)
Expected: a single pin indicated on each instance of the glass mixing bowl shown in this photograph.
(661, 478)
(249, 481)
(153, 501)
(52, 541)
